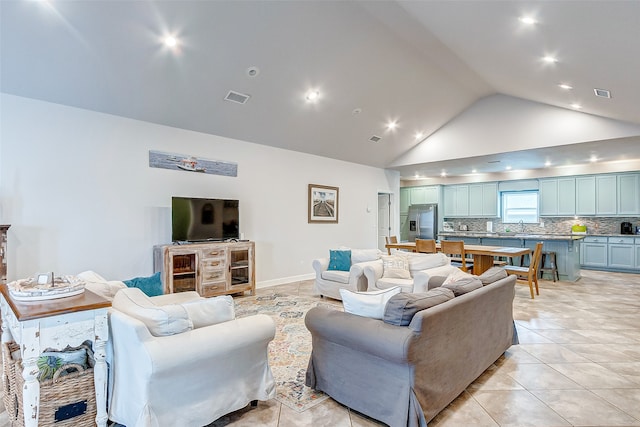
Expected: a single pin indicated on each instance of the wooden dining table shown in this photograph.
(482, 255)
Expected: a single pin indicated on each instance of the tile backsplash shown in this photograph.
(595, 225)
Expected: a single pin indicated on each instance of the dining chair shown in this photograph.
(530, 272)
(426, 246)
(390, 239)
(456, 247)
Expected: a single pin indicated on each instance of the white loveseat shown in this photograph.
(329, 282)
(170, 367)
(421, 268)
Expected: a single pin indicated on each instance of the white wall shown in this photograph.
(79, 194)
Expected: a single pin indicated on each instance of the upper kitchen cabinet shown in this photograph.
(456, 200)
(405, 200)
(628, 194)
(424, 195)
(586, 195)
(558, 197)
(606, 195)
(418, 196)
(483, 200)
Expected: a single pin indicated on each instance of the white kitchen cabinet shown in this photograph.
(456, 200)
(636, 250)
(586, 195)
(548, 194)
(606, 195)
(483, 200)
(621, 252)
(628, 191)
(557, 197)
(566, 196)
(593, 252)
(405, 200)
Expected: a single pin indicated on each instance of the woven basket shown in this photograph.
(65, 401)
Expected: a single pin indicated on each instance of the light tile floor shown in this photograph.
(578, 363)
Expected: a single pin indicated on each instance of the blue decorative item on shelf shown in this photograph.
(151, 286)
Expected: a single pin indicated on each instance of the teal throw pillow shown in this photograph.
(339, 260)
(151, 286)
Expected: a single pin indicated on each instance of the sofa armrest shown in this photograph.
(373, 271)
(175, 298)
(363, 334)
(421, 278)
(320, 265)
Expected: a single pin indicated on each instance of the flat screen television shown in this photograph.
(194, 219)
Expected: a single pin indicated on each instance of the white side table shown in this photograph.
(56, 323)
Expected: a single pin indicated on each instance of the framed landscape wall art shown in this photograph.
(323, 204)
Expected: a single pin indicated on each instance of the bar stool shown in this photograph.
(552, 265)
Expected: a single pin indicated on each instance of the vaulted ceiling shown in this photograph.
(423, 64)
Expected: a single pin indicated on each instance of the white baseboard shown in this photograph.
(284, 280)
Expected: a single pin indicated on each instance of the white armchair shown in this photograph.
(421, 268)
(170, 366)
(329, 282)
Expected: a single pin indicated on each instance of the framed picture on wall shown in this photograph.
(323, 203)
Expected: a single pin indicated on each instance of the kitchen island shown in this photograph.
(566, 247)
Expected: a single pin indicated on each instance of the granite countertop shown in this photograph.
(512, 235)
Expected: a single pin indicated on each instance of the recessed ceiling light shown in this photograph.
(547, 163)
(392, 125)
(508, 168)
(565, 86)
(170, 41)
(312, 96)
(356, 111)
(474, 171)
(529, 20)
(603, 93)
(419, 135)
(253, 71)
(443, 174)
(593, 158)
(576, 106)
(550, 59)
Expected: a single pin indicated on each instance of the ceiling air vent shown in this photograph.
(603, 93)
(375, 138)
(238, 97)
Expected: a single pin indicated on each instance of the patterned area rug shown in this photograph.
(290, 350)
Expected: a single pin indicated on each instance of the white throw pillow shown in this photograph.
(209, 311)
(163, 320)
(395, 267)
(455, 276)
(99, 285)
(367, 304)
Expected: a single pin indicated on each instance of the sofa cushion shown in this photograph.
(364, 255)
(336, 276)
(401, 307)
(492, 275)
(461, 283)
(339, 260)
(406, 285)
(99, 285)
(395, 267)
(209, 311)
(160, 320)
(367, 304)
(419, 261)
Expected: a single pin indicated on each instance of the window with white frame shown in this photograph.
(519, 206)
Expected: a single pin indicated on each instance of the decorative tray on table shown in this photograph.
(36, 289)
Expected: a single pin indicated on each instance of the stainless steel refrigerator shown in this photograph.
(422, 222)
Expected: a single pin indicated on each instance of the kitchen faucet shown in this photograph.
(521, 222)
